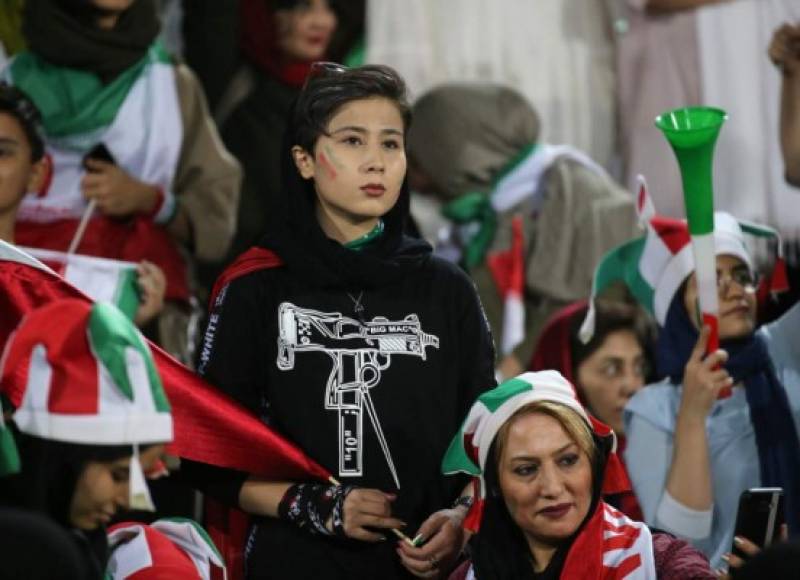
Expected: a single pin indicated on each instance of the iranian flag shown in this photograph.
(209, 426)
(102, 279)
(508, 272)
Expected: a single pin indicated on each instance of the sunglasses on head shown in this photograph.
(321, 69)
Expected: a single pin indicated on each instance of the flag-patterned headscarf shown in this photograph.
(655, 265)
(469, 449)
(609, 544)
(167, 548)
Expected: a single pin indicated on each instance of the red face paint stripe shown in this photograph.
(327, 165)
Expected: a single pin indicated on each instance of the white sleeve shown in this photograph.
(675, 517)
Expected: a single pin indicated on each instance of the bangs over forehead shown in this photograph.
(328, 89)
(573, 424)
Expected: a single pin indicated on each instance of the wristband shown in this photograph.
(309, 505)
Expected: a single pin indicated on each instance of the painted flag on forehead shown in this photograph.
(209, 427)
(102, 279)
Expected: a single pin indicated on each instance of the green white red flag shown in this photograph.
(209, 426)
(102, 279)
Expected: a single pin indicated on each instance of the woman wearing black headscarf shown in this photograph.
(354, 342)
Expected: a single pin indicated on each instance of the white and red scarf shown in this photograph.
(611, 546)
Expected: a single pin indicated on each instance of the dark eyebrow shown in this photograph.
(556, 452)
(8, 141)
(363, 131)
(349, 128)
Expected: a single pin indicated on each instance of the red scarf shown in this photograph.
(258, 43)
(611, 546)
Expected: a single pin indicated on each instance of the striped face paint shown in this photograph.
(328, 160)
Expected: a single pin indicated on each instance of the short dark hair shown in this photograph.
(17, 104)
(610, 317)
(326, 92)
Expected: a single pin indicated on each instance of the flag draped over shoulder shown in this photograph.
(209, 426)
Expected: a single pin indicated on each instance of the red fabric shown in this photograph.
(553, 351)
(626, 500)
(131, 240)
(673, 232)
(23, 289)
(228, 530)
(585, 556)
(472, 521)
(779, 279)
(675, 559)
(508, 267)
(258, 42)
(209, 426)
(68, 353)
(250, 261)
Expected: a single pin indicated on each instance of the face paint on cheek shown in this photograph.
(328, 160)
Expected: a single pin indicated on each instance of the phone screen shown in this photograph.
(760, 516)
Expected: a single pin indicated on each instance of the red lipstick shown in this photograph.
(556, 512)
(373, 189)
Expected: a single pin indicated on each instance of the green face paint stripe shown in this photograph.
(329, 160)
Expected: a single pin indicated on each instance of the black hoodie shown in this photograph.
(368, 360)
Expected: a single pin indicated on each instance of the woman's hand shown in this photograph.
(367, 508)
(117, 193)
(749, 548)
(734, 561)
(152, 285)
(444, 539)
(703, 379)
